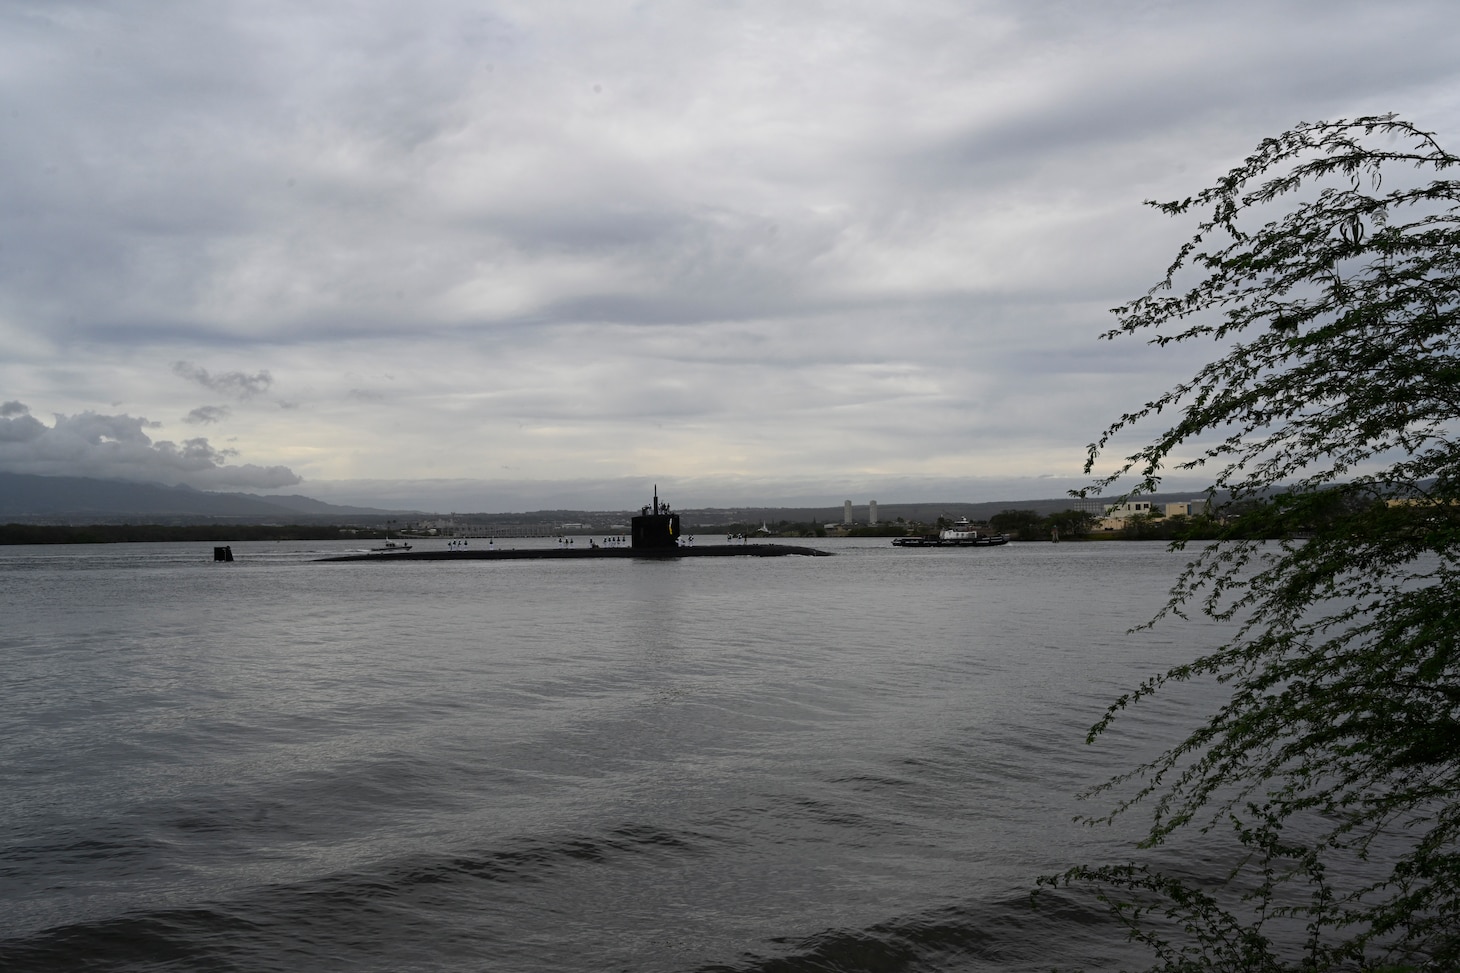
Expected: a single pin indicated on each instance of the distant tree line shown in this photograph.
(1027, 525)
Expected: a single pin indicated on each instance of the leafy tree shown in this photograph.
(1141, 527)
(1023, 523)
(1072, 523)
(879, 530)
(1328, 272)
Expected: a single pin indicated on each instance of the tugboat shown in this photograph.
(963, 533)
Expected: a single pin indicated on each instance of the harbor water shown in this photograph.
(860, 762)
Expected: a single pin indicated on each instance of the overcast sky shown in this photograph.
(499, 255)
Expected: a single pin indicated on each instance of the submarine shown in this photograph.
(654, 533)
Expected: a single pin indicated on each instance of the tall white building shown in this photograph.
(847, 512)
(871, 513)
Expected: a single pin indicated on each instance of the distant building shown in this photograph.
(1116, 514)
(871, 513)
(847, 512)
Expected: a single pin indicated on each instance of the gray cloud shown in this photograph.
(17, 425)
(236, 384)
(118, 447)
(758, 242)
(207, 415)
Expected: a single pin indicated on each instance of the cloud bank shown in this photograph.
(755, 243)
(117, 447)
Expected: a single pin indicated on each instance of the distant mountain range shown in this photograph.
(75, 500)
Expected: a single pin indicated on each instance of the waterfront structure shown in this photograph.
(1117, 516)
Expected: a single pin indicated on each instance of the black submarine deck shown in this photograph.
(578, 553)
(655, 533)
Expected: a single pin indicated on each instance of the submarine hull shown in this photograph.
(571, 553)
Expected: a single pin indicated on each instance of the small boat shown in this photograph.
(389, 546)
(962, 534)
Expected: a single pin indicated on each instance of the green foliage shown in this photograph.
(1028, 525)
(1140, 527)
(1328, 272)
(1024, 524)
(1071, 524)
(879, 530)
